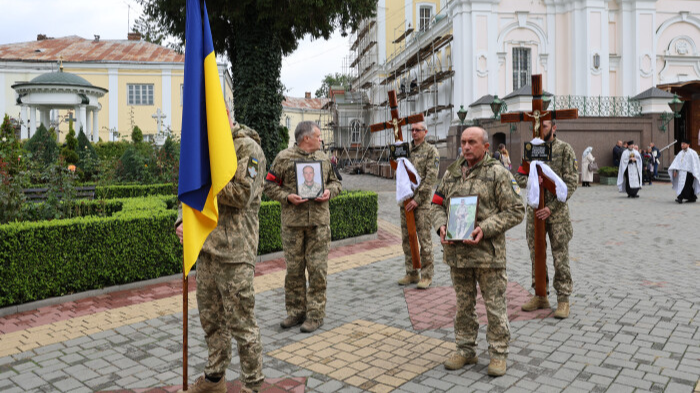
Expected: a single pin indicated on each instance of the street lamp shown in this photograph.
(546, 100)
(496, 106)
(461, 113)
(676, 105)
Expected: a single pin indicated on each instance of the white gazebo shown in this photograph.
(59, 90)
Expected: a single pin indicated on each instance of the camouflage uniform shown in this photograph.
(558, 224)
(226, 266)
(500, 208)
(426, 159)
(306, 233)
(312, 191)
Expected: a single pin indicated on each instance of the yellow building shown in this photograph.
(143, 84)
(295, 110)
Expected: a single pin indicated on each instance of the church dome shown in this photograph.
(60, 78)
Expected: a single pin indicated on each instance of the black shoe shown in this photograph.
(692, 200)
(679, 200)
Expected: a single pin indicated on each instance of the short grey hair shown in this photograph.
(303, 129)
(422, 125)
(485, 136)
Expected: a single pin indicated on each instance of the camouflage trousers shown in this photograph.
(425, 240)
(226, 301)
(306, 249)
(559, 233)
(493, 283)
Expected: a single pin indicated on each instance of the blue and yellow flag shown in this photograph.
(207, 156)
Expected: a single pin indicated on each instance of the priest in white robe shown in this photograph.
(685, 173)
(629, 176)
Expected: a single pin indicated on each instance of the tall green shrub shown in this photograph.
(43, 146)
(70, 151)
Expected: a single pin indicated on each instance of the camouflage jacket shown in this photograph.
(564, 164)
(426, 159)
(235, 239)
(281, 181)
(500, 208)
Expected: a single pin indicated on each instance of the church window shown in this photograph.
(355, 130)
(288, 123)
(522, 68)
(424, 17)
(139, 94)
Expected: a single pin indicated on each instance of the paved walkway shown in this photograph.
(634, 325)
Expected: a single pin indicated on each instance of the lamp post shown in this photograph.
(462, 114)
(546, 100)
(496, 106)
(676, 105)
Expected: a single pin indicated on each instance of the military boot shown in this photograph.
(497, 367)
(245, 389)
(457, 361)
(408, 279)
(535, 303)
(203, 385)
(310, 325)
(291, 321)
(562, 310)
(424, 283)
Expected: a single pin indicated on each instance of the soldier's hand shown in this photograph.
(295, 199)
(178, 232)
(411, 205)
(442, 235)
(477, 235)
(543, 213)
(326, 196)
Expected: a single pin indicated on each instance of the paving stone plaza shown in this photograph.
(634, 323)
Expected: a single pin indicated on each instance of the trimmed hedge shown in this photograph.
(134, 191)
(44, 259)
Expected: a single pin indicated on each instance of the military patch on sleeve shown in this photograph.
(437, 162)
(576, 164)
(516, 187)
(253, 167)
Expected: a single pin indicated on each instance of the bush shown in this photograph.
(111, 151)
(608, 171)
(134, 190)
(43, 146)
(53, 258)
(136, 242)
(136, 135)
(10, 148)
(133, 165)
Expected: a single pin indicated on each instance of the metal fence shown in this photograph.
(599, 106)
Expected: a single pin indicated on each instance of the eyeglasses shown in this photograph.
(416, 129)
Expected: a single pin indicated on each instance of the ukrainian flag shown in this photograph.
(207, 156)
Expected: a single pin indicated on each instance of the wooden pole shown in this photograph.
(185, 292)
(540, 247)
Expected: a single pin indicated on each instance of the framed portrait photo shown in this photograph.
(461, 217)
(309, 179)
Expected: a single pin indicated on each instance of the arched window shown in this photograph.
(355, 131)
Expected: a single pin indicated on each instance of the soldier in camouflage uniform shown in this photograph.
(306, 232)
(483, 259)
(426, 159)
(225, 270)
(557, 222)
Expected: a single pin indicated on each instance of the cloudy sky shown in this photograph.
(22, 20)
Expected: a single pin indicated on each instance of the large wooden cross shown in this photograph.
(537, 116)
(396, 123)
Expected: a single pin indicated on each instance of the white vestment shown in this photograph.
(634, 171)
(686, 163)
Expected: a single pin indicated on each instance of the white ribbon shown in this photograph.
(533, 182)
(404, 186)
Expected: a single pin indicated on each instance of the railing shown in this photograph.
(599, 106)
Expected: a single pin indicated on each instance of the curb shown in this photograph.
(140, 284)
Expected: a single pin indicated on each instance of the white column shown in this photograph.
(95, 126)
(44, 113)
(167, 97)
(24, 134)
(579, 62)
(32, 120)
(551, 49)
(628, 49)
(462, 56)
(82, 120)
(88, 123)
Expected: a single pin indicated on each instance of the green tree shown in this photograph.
(150, 31)
(331, 80)
(43, 146)
(255, 34)
(136, 135)
(10, 148)
(70, 151)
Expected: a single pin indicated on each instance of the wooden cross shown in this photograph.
(537, 116)
(396, 123)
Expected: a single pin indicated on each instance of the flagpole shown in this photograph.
(185, 291)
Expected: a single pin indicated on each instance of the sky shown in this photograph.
(22, 20)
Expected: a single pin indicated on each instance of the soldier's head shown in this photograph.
(475, 143)
(308, 136)
(549, 127)
(308, 172)
(418, 132)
